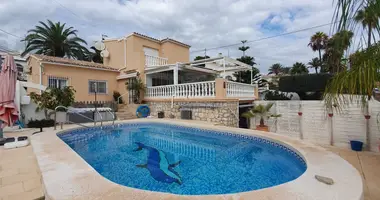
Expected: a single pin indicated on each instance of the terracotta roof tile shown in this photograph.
(175, 41)
(73, 62)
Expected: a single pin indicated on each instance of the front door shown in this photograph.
(131, 92)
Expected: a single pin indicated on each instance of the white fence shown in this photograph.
(310, 121)
(155, 61)
(240, 89)
(199, 90)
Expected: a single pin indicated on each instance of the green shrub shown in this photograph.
(116, 96)
(307, 86)
(304, 83)
(41, 123)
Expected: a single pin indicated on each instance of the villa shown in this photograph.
(175, 85)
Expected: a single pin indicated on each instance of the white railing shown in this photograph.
(155, 61)
(240, 89)
(188, 90)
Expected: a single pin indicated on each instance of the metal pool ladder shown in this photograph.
(80, 124)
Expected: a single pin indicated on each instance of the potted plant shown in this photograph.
(262, 111)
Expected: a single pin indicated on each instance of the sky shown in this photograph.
(199, 23)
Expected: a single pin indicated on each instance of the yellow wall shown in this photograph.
(135, 52)
(34, 74)
(175, 53)
(116, 56)
(79, 77)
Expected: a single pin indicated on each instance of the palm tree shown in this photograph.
(139, 87)
(54, 39)
(262, 111)
(368, 16)
(285, 70)
(356, 84)
(336, 46)
(299, 68)
(275, 69)
(314, 63)
(318, 42)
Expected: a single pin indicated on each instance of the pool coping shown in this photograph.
(66, 175)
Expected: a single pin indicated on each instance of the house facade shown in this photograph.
(174, 85)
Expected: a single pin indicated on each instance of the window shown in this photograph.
(57, 82)
(150, 51)
(101, 87)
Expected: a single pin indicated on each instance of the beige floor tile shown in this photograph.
(37, 193)
(11, 189)
(32, 184)
(8, 172)
(19, 178)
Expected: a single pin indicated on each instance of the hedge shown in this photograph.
(304, 83)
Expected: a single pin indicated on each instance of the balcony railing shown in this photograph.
(151, 61)
(188, 90)
(240, 90)
(219, 88)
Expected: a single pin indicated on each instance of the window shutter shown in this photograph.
(106, 87)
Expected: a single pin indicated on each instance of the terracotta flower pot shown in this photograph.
(262, 128)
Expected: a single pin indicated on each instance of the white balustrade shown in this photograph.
(155, 61)
(240, 89)
(187, 90)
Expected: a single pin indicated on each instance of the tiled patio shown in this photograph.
(20, 178)
(367, 163)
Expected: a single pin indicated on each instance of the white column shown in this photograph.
(251, 77)
(175, 74)
(148, 80)
(224, 68)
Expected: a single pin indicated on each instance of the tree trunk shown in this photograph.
(320, 60)
(262, 122)
(316, 70)
(369, 35)
(46, 114)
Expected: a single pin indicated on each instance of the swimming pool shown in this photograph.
(184, 160)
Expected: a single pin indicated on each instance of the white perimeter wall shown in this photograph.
(316, 126)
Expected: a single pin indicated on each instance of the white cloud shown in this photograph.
(200, 23)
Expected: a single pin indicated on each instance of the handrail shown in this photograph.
(181, 84)
(78, 124)
(113, 116)
(118, 99)
(237, 83)
(101, 118)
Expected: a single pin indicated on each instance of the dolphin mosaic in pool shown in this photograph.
(158, 165)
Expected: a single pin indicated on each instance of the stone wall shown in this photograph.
(224, 113)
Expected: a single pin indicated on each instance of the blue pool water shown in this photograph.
(183, 160)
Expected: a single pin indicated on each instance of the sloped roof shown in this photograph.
(73, 62)
(161, 41)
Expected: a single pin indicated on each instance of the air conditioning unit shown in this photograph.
(186, 114)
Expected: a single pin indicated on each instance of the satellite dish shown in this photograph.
(105, 54)
(99, 46)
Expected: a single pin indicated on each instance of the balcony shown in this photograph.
(151, 61)
(218, 89)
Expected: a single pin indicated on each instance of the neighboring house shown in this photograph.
(20, 63)
(174, 84)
